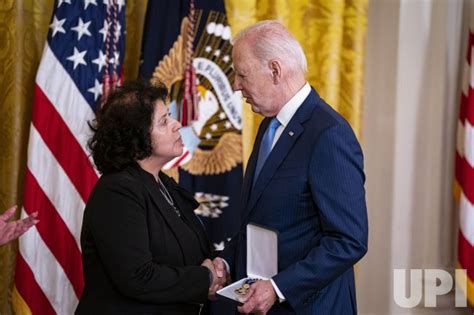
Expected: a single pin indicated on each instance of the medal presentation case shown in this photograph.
(262, 261)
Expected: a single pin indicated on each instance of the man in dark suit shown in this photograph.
(304, 179)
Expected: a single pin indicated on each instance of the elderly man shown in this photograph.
(304, 179)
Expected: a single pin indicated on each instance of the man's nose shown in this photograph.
(236, 86)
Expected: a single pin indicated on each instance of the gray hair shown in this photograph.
(273, 40)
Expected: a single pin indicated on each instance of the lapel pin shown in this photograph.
(291, 133)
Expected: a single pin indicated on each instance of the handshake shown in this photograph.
(219, 273)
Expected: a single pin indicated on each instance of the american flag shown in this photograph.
(82, 55)
(465, 172)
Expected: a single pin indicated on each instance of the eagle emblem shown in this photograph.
(213, 143)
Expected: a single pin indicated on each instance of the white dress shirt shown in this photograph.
(284, 116)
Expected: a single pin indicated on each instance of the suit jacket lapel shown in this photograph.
(279, 152)
(174, 222)
(186, 203)
(276, 157)
(252, 163)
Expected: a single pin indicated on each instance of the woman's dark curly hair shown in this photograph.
(121, 130)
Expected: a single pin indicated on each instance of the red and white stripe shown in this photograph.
(184, 158)
(59, 179)
(464, 172)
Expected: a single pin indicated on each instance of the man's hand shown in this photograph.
(221, 270)
(259, 299)
(11, 230)
(216, 282)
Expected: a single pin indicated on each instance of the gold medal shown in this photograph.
(245, 287)
(240, 291)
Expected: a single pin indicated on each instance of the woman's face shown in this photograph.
(165, 137)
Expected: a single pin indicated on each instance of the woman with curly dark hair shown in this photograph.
(144, 250)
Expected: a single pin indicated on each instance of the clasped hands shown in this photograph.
(219, 275)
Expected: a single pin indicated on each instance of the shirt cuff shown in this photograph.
(281, 298)
(227, 268)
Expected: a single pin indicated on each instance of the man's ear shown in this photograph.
(275, 68)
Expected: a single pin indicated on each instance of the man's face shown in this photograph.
(254, 78)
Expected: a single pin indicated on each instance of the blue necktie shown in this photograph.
(266, 146)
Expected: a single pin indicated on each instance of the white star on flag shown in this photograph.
(81, 28)
(87, 2)
(63, 1)
(100, 61)
(117, 31)
(78, 58)
(115, 60)
(57, 26)
(104, 30)
(96, 89)
(120, 4)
